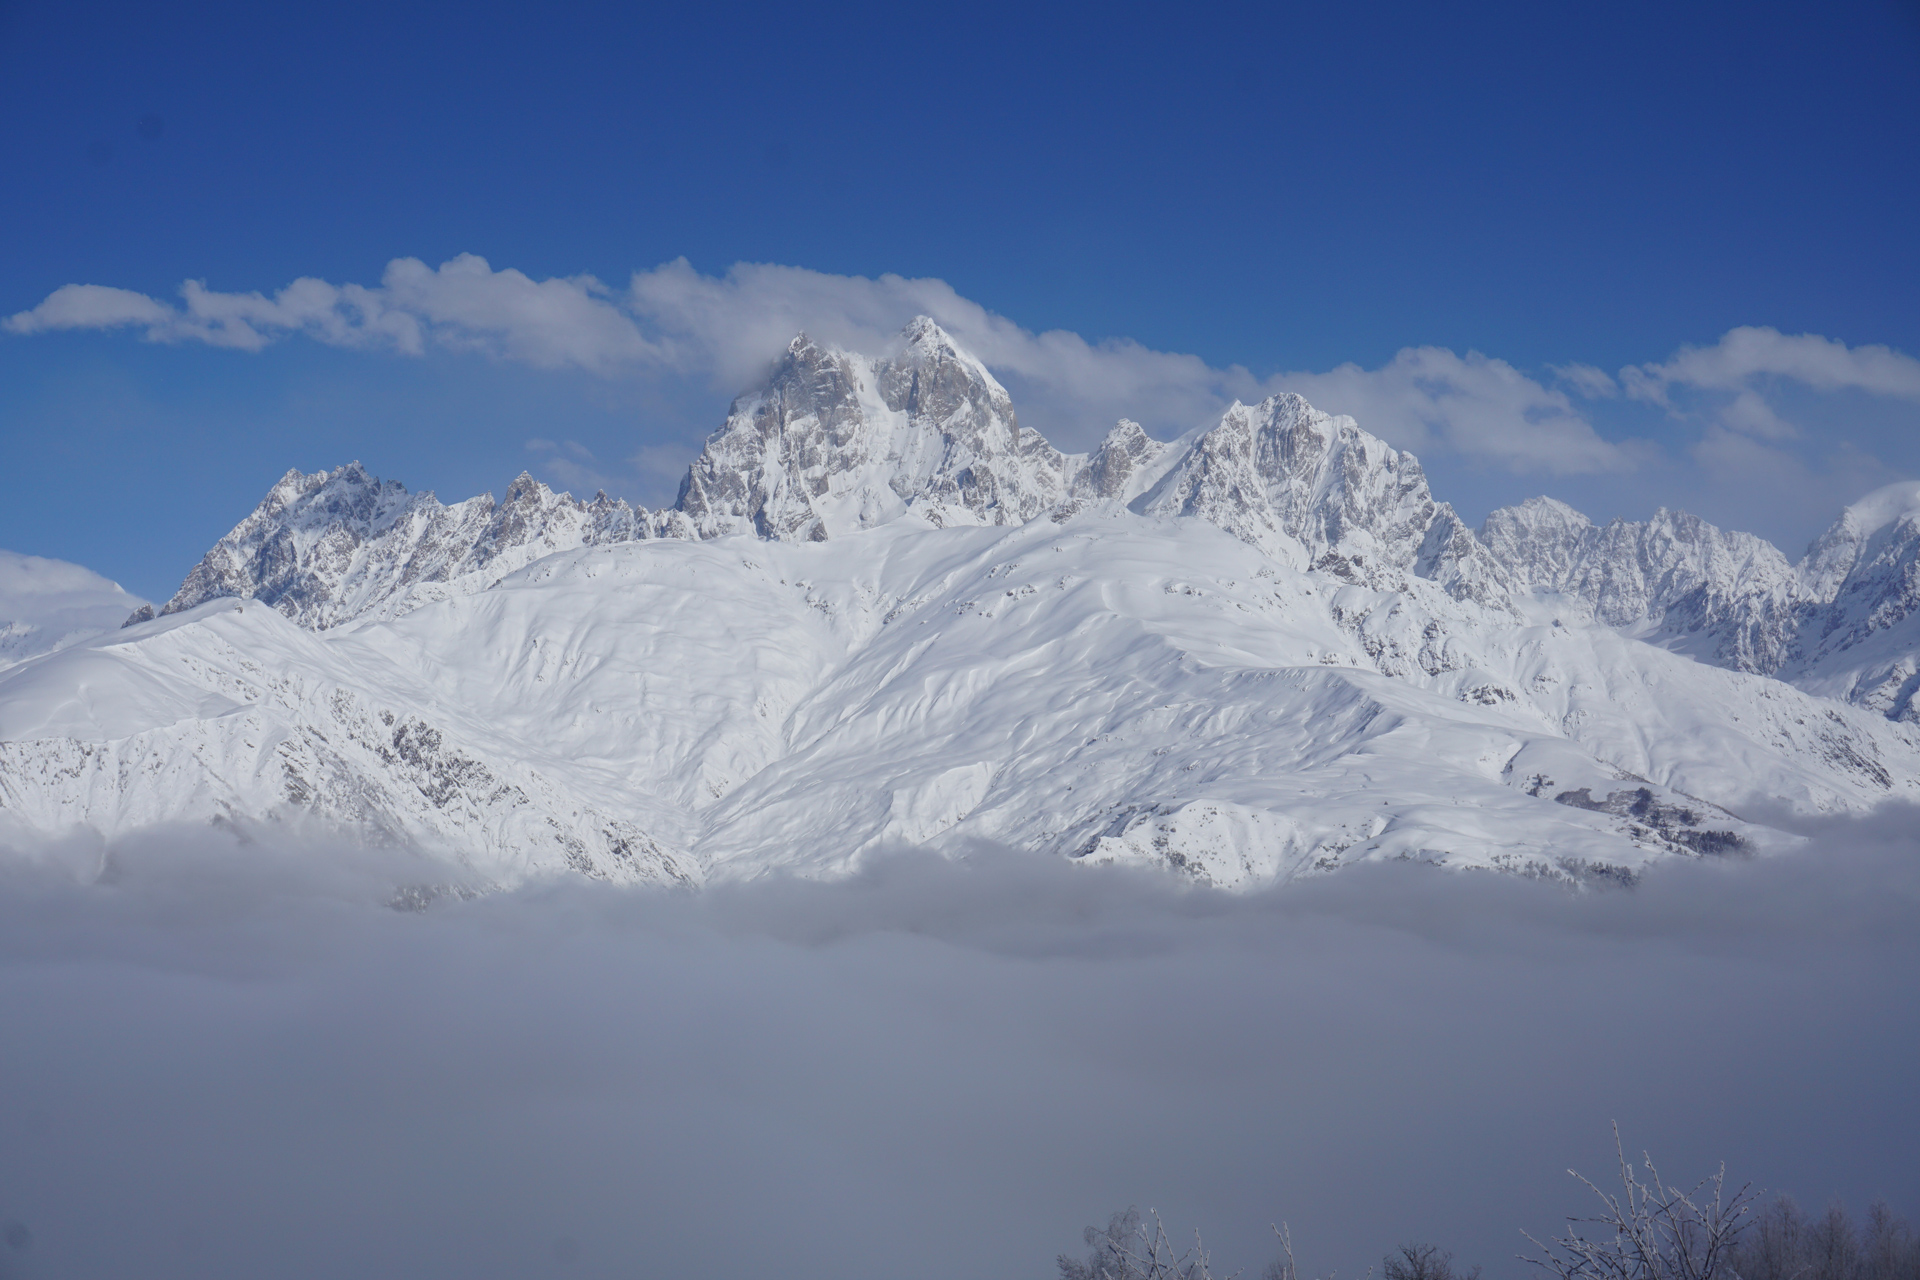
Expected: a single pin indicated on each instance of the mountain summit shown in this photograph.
(884, 612)
(837, 442)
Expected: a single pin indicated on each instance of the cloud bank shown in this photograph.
(1732, 402)
(228, 1060)
(729, 328)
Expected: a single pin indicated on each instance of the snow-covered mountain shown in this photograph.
(1841, 623)
(49, 604)
(882, 612)
(334, 546)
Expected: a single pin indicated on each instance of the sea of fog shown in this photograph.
(228, 1058)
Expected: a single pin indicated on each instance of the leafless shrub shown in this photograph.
(1651, 1231)
(1890, 1251)
(1133, 1248)
(1284, 1267)
(1422, 1262)
(1785, 1244)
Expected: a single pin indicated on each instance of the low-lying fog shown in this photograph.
(231, 1060)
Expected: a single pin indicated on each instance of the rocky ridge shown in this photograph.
(1841, 622)
(836, 442)
(333, 547)
(882, 611)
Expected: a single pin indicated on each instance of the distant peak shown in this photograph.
(1545, 508)
(1884, 506)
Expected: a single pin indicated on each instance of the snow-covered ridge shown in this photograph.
(331, 547)
(838, 442)
(1841, 622)
(1117, 687)
(882, 611)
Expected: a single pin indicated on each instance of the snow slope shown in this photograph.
(1115, 687)
(882, 612)
(49, 604)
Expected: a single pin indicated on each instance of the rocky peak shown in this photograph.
(837, 441)
(330, 547)
(1542, 541)
(933, 378)
(1314, 488)
(1729, 597)
(1879, 516)
(1859, 633)
(1125, 458)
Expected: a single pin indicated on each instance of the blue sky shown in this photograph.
(1273, 192)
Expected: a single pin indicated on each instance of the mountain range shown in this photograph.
(881, 612)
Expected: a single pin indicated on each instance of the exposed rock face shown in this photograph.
(330, 547)
(1314, 488)
(1859, 635)
(1118, 470)
(1838, 623)
(1733, 594)
(838, 442)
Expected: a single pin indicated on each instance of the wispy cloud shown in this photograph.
(463, 304)
(1748, 357)
(726, 329)
(1429, 398)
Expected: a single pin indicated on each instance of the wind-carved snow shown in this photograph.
(883, 612)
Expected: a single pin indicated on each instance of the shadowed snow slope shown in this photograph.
(883, 613)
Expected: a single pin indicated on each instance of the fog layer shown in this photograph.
(228, 1060)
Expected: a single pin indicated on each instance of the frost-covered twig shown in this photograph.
(1650, 1231)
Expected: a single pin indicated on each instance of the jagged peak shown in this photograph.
(524, 485)
(924, 333)
(1127, 436)
(923, 343)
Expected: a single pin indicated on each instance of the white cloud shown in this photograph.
(1428, 398)
(726, 329)
(1586, 380)
(1472, 405)
(463, 304)
(89, 306)
(732, 326)
(1734, 388)
(1748, 356)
